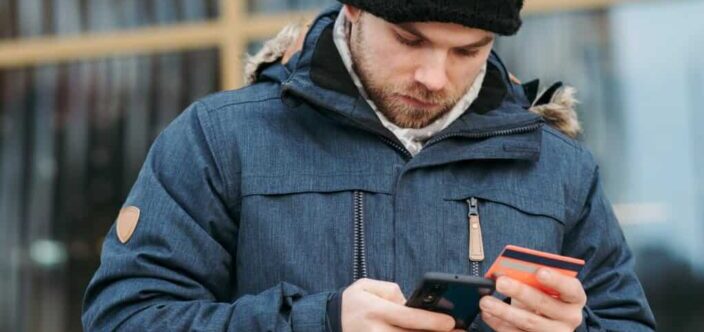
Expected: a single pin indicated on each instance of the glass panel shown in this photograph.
(72, 140)
(28, 18)
(639, 84)
(660, 71)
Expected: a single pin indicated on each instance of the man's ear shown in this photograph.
(353, 13)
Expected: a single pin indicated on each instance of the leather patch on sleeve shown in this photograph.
(127, 222)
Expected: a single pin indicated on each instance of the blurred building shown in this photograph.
(86, 85)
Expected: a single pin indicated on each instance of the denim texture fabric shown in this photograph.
(247, 201)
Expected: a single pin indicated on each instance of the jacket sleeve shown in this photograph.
(615, 298)
(177, 271)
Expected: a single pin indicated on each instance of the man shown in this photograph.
(316, 198)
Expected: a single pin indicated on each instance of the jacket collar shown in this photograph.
(317, 75)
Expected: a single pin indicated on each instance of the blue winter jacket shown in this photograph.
(258, 205)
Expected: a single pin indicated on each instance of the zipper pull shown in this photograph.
(476, 245)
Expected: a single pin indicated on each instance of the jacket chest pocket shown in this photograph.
(312, 231)
(483, 222)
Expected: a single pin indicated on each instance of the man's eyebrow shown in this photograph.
(407, 27)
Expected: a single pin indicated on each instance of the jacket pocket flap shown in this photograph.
(534, 203)
(296, 184)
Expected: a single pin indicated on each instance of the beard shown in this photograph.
(389, 96)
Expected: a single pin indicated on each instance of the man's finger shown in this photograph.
(530, 299)
(519, 318)
(570, 288)
(398, 329)
(415, 319)
(386, 290)
(518, 304)
(498, 324)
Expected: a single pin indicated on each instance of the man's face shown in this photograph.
(415, 72)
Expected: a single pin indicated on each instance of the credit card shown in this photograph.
(522, 264)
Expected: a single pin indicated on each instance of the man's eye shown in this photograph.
(467, 53)
(407, 42)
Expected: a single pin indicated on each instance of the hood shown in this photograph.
(555, 105)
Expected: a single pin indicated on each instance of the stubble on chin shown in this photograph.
(405, 115)
(387, 97)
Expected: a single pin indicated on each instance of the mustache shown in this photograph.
(419, 92)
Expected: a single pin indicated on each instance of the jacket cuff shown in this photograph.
(334, 311)
(309, 313)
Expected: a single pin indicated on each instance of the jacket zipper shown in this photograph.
(487, 134)
(359, 269)
(476, 244)
(286, 87)
(396, 146)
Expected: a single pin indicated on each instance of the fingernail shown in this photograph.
(504, 284)
(544, 274)
(487, 303)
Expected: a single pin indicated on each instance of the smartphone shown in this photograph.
(452, 294)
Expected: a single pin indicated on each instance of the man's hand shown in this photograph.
(533, 310)
(371, 305)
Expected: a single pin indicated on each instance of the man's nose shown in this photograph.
(432, 73)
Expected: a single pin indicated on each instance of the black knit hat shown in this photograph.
(499, 16)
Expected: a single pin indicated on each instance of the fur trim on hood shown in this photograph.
(558, 110)
(278, 48)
